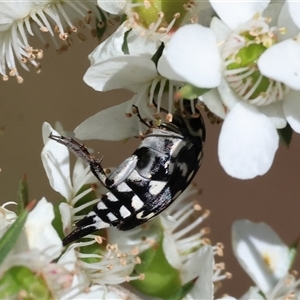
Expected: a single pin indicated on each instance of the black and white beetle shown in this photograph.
(149, 180)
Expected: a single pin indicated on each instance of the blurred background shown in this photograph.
(58, 93)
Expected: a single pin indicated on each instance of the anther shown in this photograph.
(44, 29)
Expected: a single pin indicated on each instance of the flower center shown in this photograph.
(160, 17)
(240, 54)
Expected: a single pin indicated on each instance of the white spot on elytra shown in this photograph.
(140, 215)
(183, 167)
(123, 187)
(136, 203)
(155, 187)
(112, 217)
(111, 197)
(101, 205)
(124, 212)
(190, 176)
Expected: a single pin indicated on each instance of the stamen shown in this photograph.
(76, 198)
(153, 27)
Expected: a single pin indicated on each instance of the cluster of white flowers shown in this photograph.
(240, 60)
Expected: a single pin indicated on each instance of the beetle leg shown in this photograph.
(81, 151)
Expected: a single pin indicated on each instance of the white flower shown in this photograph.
(253, 103)
(265, 258)
(112, 69)
(20, 18)
(56, 162)
(39, 231)
(281, 62)
(38, 243)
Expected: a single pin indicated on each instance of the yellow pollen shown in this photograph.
(44, 29)
(99, 239)
(194, 19)
(138, 260)
(268, 20)
(135, 251)
(197, 207)
(13, 72)
(169, 117)
(206, 213)
(282, 30)
(101, 24)
(205, 230)
(267, 260)
(161, 14)
(206, 241)
(63, 36)
(142, 276)
(219, 266)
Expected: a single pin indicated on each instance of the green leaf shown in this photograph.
(183, 290)
(57, 222)
(155, 58)
(161, 279)
(10, 237)
(285, 135)
(125, 48)
(23, 194)
(293, 251)
(20, 279)
(190, 92)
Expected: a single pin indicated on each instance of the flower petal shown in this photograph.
(55, 158)
(40, 233)
(247, 143)
(115, 7)
(281, 62)
(193, 56)
(200, 265)
(285, 21)
(275, 113)
(109, 124)
(291, 108)
(213, 101)
(120, 72)
(260, 252)
(235, 13)
(221, 31)
(229, 97)
(294, 10)
(66, 217)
